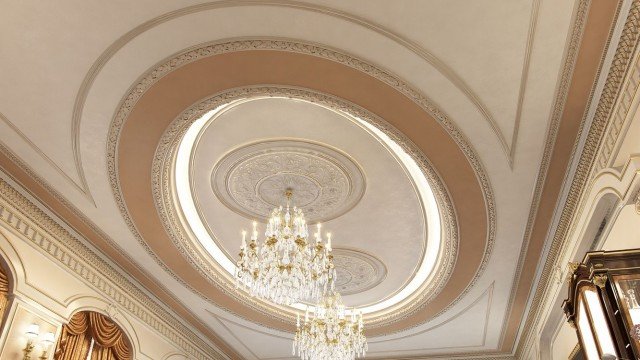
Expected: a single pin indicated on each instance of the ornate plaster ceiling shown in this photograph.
(250, 179)
(487, 107)
(368, 197)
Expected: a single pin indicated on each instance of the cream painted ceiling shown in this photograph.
(387, 221)
(622, 234)
(492, 66)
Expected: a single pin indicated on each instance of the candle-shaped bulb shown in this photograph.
(32, 332)
(244, 239)
(329, 241)
(255, 231)
(297, 320)
(306, 315)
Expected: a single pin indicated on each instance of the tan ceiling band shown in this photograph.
(179, 89)
(601, 14)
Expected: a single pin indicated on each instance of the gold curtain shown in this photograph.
(75, 339)
(110, 343)
(4, 293)
(4, 282)
(105, 353)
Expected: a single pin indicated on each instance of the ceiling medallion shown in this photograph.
(332, 333)
(286, 268)
(249, 180)
(357, 271)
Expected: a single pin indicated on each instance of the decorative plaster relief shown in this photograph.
(23, 217)
(251, 180)
(206, 50)
(357, 271)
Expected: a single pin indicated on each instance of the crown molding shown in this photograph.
(23, 217)
(622, 81)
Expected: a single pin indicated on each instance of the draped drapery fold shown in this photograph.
(108, 335)
(4, 292)
(72, 346)
(79, 323)
(4, 282)
(109, 353)
(110, 342)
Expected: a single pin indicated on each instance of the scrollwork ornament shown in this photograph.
(250, 180)
(572, 267)
(357, 271)
(635, 332)
(112, 310)
(600, 280)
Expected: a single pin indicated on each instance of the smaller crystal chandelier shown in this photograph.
(286, 268)
(331, 333)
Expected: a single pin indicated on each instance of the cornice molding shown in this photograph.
(20, 215)
(624, 61)
(617, 95)
(556, 115)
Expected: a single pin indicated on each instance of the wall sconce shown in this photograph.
(47, 340)
(31, 333)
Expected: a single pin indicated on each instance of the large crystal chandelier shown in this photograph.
(330, 334)
(286, 268)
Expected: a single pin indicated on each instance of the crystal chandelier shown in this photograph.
(331, 333)
(286, 268)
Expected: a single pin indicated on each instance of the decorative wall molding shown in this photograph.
(82, 187)
(66, 204)
(488, 293)
(524, 76)
(412, 46)
(617, 97)
(624, 60)
(556, 115)
(23, 217)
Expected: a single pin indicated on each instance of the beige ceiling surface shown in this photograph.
(388, 221)
(623, 233)
(67, 65)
